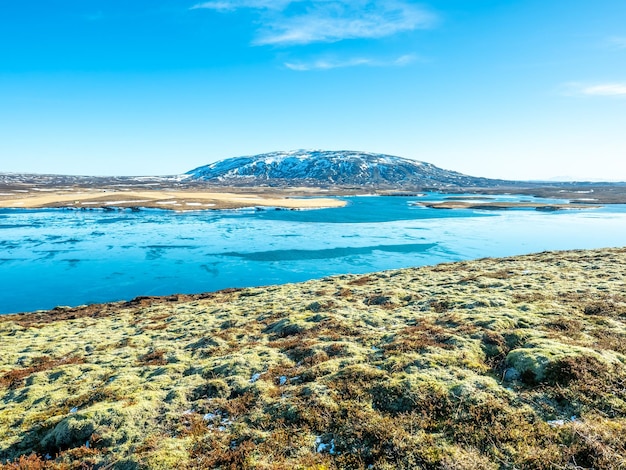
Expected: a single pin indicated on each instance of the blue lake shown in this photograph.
(60, 257)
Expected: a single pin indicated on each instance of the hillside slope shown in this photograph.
(318, 167)
(496, 363)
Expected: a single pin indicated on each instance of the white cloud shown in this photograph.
(405, 60)
(599, 89)
(220, 6)
(324, 64)
(231, 5)
(336, 21)
(328, 20)
(327, 64)
(618, 42)
(604, 89)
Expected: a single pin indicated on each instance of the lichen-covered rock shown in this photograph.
(536, 357)
(73, 431)
(511, 374)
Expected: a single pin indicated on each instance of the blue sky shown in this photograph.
(511, 89)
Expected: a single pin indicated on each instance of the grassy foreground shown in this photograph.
(496, 363)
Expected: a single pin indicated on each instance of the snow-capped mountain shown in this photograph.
(321, 168)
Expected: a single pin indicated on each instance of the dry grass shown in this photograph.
(15, 378)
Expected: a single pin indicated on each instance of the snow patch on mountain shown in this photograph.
(320, 167)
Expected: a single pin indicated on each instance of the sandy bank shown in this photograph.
(459, 204)
(164, 199)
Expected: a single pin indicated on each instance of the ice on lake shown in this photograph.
(58, 257)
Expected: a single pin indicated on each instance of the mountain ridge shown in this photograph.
(342, 167)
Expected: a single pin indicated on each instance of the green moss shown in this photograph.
(245, 363)
(287, 327)
(169, 453)
(402, 369)
(214, 388)
(537, 356)
(73, 431)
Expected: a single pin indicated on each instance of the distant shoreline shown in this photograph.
(171, 199)
(63, 191)
(66, 192)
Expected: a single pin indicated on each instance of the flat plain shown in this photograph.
(174, 198)
(82, 192)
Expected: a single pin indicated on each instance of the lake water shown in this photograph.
(60, 257)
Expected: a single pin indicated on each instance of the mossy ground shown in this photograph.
(496, 363)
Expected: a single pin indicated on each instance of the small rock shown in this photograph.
(511, 374)
(321, 447)
(556, 422)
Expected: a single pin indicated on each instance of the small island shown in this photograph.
(498, 206)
